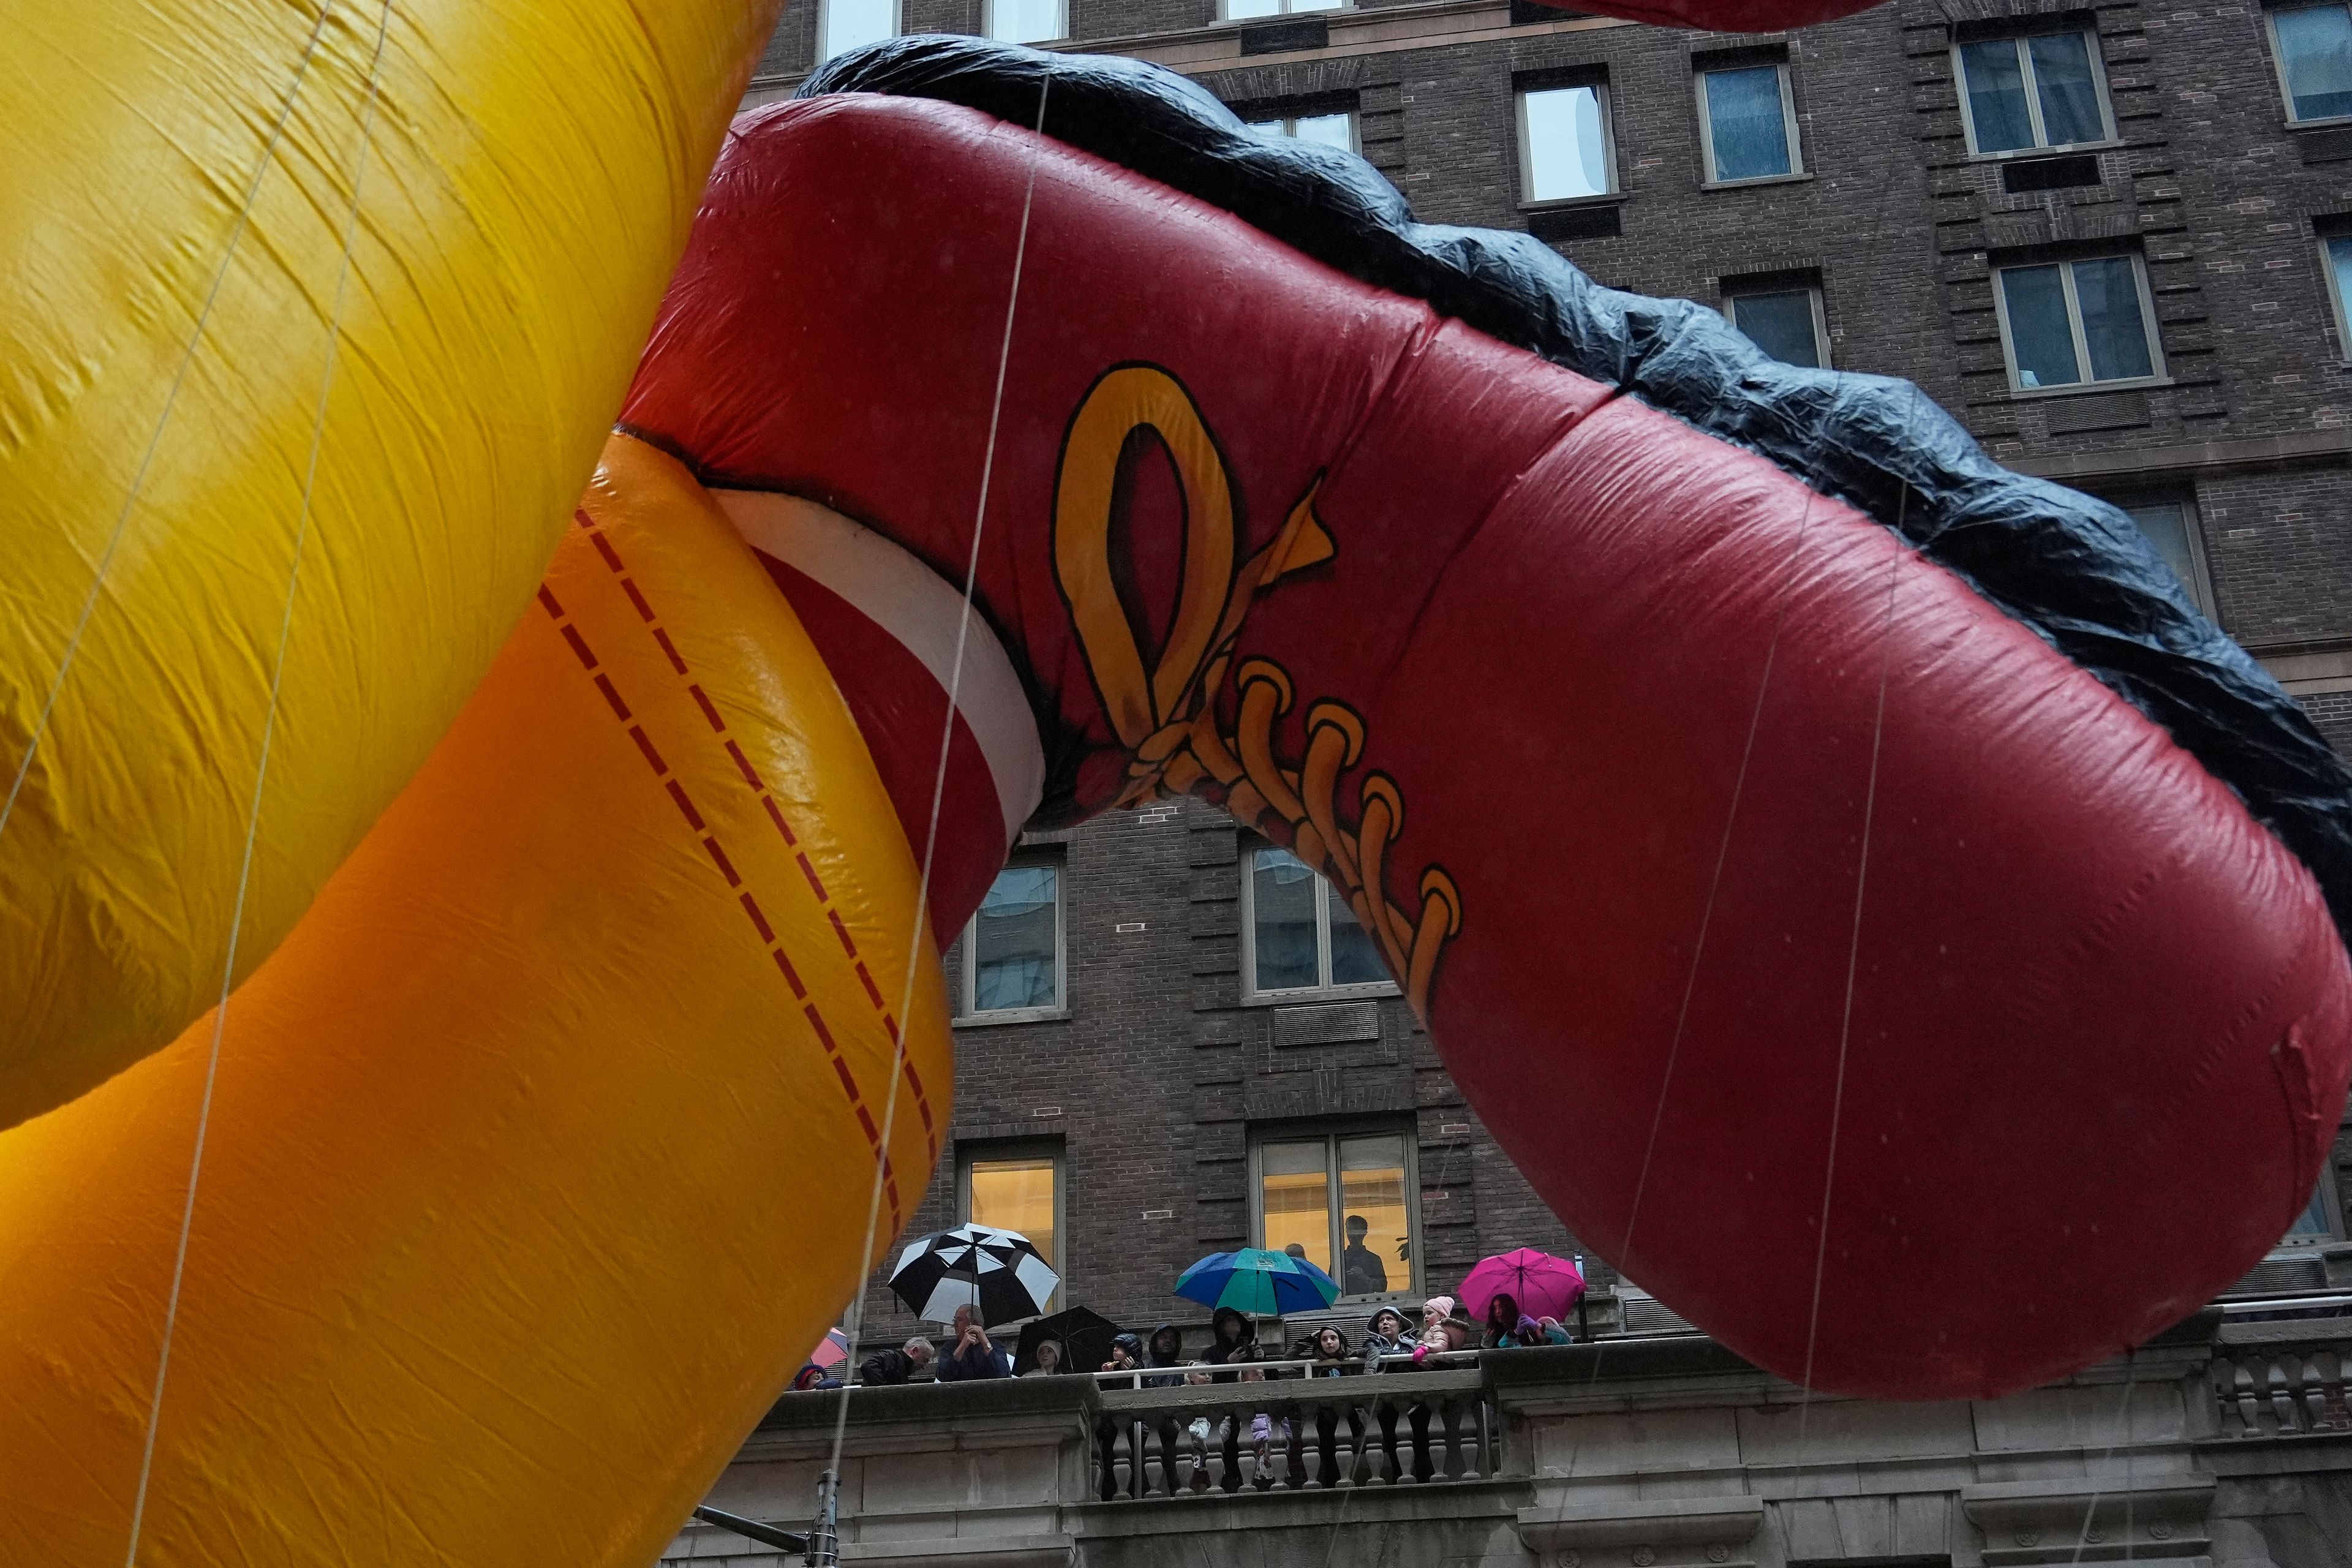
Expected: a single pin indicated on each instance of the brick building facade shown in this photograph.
(2181, 234)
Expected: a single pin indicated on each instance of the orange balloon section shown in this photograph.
(448, 1224)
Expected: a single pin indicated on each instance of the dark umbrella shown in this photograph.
(1085, 1335)
(997, 1273)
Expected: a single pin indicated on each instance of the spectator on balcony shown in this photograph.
(813, 1376)
(889, 1368)
(1444, 1336)
(1126, 1355)
(1164, 1348)
(1361, 1272)
(1049, 1359)
(1328, 1348)
(1433, 1311)
(1502, 1316)
(974, 1355)
(1388, 1334)
(1233, 1338)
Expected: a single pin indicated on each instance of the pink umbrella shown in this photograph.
(1544, 1286)
(831, 1351)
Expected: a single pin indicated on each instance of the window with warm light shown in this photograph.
(1346, 1199)
(1017, 1188)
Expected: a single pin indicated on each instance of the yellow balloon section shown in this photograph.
(315, 315)
(506, 1234)
(191, 383)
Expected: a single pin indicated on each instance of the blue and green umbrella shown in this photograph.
(1263, 1284)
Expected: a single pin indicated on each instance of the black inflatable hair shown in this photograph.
(2073, 569)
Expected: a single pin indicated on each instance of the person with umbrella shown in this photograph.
(1049, 1359)
(972, 1354)
(1525, 1284)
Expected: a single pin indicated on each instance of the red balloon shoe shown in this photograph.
(1786, 907)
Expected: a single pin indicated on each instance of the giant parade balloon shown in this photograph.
(470, 944)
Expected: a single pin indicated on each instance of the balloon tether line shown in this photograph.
(939, 777)
(260, 779)
(163, 419)
(1853, 955)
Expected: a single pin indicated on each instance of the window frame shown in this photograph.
(1332, 1133)
(1326, 895)
(968, 960)
(2328, 238)
(1709, 179)
(1598, 87)
(984, 1150)
(1225, 18)
(988, 24)
(2331, 1206)
(1812, 291)
(2109, 136)
(2278, 64)
(2159, 374)
(2200, 581)
(825, 7)
(1289, 123)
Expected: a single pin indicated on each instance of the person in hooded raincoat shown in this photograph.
(1231, 1338)
(1164, 1348)
(1387, 1334)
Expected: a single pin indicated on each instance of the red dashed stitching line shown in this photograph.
(684, 803)
(612, 562)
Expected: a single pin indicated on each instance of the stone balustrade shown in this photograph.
(2226, 1444)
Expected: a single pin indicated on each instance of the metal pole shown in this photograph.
(751, 1529)
(825, 1538)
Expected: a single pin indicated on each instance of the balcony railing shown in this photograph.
(1396, 1429)
(1636, 1450)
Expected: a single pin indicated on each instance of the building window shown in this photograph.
(845, 25)
(2312, 45)
(1784, 322)
(1336, 129)
(2071, 323)
(1747, 124)
(2171, 526)
(2317, 1221)
(2049, 90)
(1014, 1186)
(1347, 1200)
(2336, 251)
(1564, 151)
(1027, 21)
(1299, 935)
(1243, 10)
(1014, 962)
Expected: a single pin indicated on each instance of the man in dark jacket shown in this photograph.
(1164, 1348)
(1231, 1338)
(890, 1367)
(973, 1355)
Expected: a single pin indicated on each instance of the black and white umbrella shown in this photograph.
(997, 1273)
